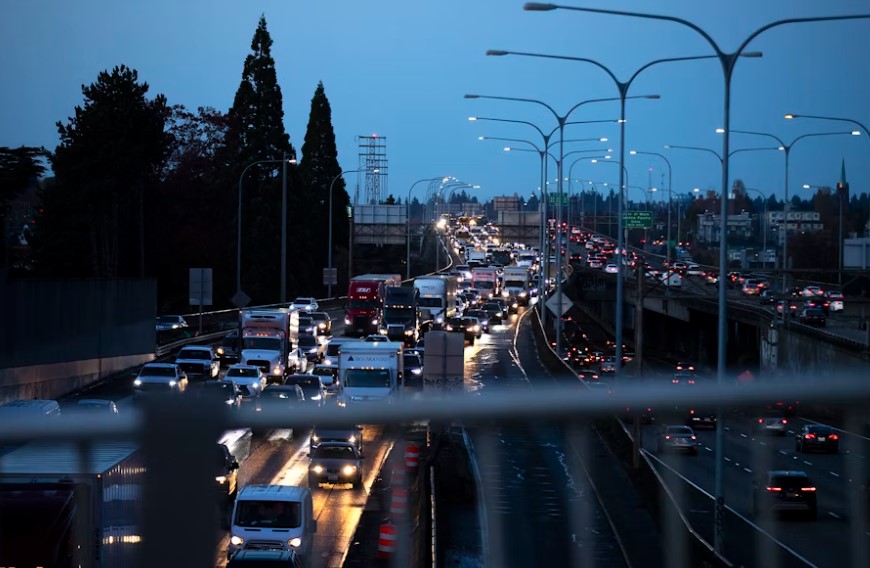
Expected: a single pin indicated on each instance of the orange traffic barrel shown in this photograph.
(412, 456)
(399, 503)
(387, 541)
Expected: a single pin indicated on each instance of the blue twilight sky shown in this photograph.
(400, 68)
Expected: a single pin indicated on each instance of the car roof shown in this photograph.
(786, 473)
(159, 365)
(242, 366)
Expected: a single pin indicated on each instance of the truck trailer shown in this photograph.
(268, 338)
(485, 281)
(369, 371)
(516, 284)
(365, 302)
(54, 513)
(437, 297)
(401, 317)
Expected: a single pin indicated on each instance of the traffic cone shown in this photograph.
(399, 503)
(386, 542)
(412, 456)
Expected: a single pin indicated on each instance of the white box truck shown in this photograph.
(516, 284)
(369, 371)
(437, 297)
(268, 337)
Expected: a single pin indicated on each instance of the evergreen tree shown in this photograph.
(109, 153)
(19, 169)
(257, 133)
(319, 168)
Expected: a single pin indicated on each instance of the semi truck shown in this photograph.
(516, 284)
(365, 302)
(401, 318)
(268, 337)
(55, 513)
(369, 371)
(437, 297)
(485, 281)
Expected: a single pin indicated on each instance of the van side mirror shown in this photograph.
(234, 465)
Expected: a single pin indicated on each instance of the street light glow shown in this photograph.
(605, 139)
(720, 131)
(472, 118)
(790, 116)
(807, 186)
(507, 148)
(856, 133)
(667, 146)
(633, 152)
(781, 148)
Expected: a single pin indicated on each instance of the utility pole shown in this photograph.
(638, 363)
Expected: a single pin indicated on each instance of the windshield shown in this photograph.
(158, 372)
(239, 372)
(399, 314)
(264, 343)
(334, 452)
(411, 361)
(483, 284)
(168, 319)
(367, 378)
(307, 341)
(271, 514)
(193, 354)
(363, 304)
(430, 302)
(303, 381)
(319, 316)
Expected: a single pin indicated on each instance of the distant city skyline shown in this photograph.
(401, 70)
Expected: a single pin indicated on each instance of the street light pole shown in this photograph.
(837, 119)
(329, 250)
(239, 220)
(670, 198)
(408, 227)
(786, 148)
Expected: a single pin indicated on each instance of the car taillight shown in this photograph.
(833, 437)
(774, 489)
(692, 411)
(809, 436)
(667, 437)
(784, 421)
(760, 420)
(694, 437)
(808, 488)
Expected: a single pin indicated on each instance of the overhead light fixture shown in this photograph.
(472, 118)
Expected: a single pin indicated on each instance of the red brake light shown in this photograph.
(760, 420)
(809, 436)
(667, 437)
(808, 488)
(784, 421)
(833, 437)
(774, 488)
(692, 411)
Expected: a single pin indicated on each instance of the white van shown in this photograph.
(280, 516)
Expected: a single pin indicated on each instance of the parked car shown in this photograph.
(817, 437)
(168, 323)
(677, 438)
(784, 491)
(305, 303)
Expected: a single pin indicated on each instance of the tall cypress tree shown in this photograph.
(257, 133)
(319, 167)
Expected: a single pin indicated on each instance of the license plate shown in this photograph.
(333, 478)
(821, 439)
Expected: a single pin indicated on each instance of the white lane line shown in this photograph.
(708, 449)
(743, 435)
(747, 470)
(727, 428)
(783, 452)
(762, 443)
(727, 459)
(808, 463)
(834, 474)
(835, 515)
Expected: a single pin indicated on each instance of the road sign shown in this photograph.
(330, 276)
(200, 287)
(553, 303)
(554, 198)
(637, 219)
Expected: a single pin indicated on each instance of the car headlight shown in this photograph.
(315, 397)
(221, 479)
(504, 294)
(317, 469)
(321, 325)
(499, 314)
(416, 371)
(327, 361)
(313, 350)
(347, 321)
(476, 328)
(374, 321)
(295, 542)
(220, 350)
(449, 327)
(230, 401)
(137, 383)
(342, 403)
(409, 332)
(351, 439)
(173, 383)
(237, 540)
(348, 469)
(523, 294)
(277, 370)
(175, 326)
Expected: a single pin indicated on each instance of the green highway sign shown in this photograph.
(554, 198)
(637, 219)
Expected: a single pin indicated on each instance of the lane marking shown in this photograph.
(743, 435)
(747, 470)
(834, 474)
(835, 515)
(783, 452)
(727, 459)
(808, 463)
(708, 449)
(762, 443)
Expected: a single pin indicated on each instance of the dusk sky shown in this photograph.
(400, 69)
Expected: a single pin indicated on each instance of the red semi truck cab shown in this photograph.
(365, 302)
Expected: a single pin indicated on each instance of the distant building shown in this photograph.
(709, 226)
(506, 203)
(798, 222)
